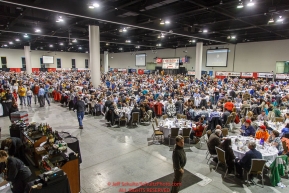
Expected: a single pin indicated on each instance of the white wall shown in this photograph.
(14, 56)
(248, 57)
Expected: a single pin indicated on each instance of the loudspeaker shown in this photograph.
(3, 60)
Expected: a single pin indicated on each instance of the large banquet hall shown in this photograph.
(144, 96)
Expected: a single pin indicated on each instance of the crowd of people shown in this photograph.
(209, 102)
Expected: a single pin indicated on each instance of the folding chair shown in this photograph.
(174, 134)
(221, 159)
(157, 133)
(211, 154)
(178, 116)
(165, 117)
(135, 118)
(186, 134)
(257, 167)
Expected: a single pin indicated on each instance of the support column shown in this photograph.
(199, 57)
(27, 54)
(94, 55)
(105, 61)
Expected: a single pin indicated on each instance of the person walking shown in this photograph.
(41, 94)
(80, 109)
(29, 96)
(179, 162)
(46, 88)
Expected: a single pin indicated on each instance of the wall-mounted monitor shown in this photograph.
(217, 57)
(48, 59)
(140, 59)
(171, 63)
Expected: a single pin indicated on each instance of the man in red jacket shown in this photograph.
(35, 91)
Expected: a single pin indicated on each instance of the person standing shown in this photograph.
(17, 173)
(46, 88)
(179, 162)
(35, 90)
(29, 96)
(22, 95)
(80, 109)
(41, 94)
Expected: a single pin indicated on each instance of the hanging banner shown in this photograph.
(221, 73)
(234, 73)
(159, 60)
(282, 76)
(265, 75)
(147, 71)
(121, 70)
(131, 70)
(247, 74)
(191, 73)
(171, 63)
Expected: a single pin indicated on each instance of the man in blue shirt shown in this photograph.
(247, 129)
(41, 94)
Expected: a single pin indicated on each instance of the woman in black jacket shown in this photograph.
(229, 155)
(16, 173)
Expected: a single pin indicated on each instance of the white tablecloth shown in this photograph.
(166, 125)
(269, 153)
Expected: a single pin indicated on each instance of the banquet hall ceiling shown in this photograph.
(134, 25)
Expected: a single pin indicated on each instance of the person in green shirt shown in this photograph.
(277, 111)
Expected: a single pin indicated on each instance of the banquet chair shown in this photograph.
(157, 133)
(165, 117)
(257, 167)
(174, 134)
(183, 116)
(178, 116)
(135, 118)
(186, 134)
(156, 121)
(202, 139)
(212, 155)
(225, 132)
(221, 159)
(279, 119)
(229, 122)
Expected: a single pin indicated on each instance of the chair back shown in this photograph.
(153, 127)
(257, 166)
(229, 120)
(186, 132)
(178, 116)
(156, 121)
(165, 117)
(209, 132)
(205, 130)
(221, 155)
(183, 116)
(225, 132)
(279, 119)
(285, 148)
(135, 117)
(174, 132)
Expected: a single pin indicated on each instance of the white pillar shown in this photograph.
(199, 57)
(94, 55)
(27, 54)
(105, 61)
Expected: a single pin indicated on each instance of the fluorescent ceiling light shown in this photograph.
(205, 31)
(25, 35)
(17, 39)
(167, 22)
(280, 19)
(10, 42)
(251, 3)
(61, 44)
(95, 5)
(233, 37)
(37, 30)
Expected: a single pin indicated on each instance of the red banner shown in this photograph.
(15, 69)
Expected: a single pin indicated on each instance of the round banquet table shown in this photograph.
(166, 125)
(269, 153)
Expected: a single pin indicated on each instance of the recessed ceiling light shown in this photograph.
(59, 19)
(25, 35)
(124, 29)
(37, 30)
(10, 42)
(17, 39)
(251, 3)
(50, 45)
(205, 31)
(95, 5)
(61, 44)
(194, 41)
(167, 22)
(233, 37)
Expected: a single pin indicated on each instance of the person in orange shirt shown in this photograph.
(229, 105)
(262, 133)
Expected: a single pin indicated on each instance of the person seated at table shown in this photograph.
(277, 111)
(275, 140)
(244, 107)
(247, 129)
(262, 116)
(285, 130)
(198, 130)
(229, 105)
(246, 161)
(287, 118)
(16, 173)
(171, 108)
(229, 154)
(214, 141)
(262, 133)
